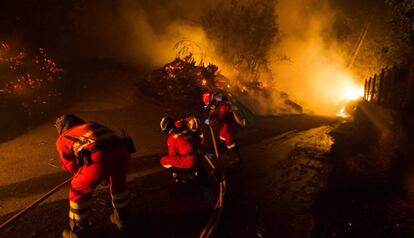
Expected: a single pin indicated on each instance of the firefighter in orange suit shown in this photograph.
(182, 153)
(219, 110)
(92, 153)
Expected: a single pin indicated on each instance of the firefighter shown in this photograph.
(219, 111)
(183, 153)
(192, 125)
(92, 153)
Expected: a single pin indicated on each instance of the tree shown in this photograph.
(243, 33)
(403, 21)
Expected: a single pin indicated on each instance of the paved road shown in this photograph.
(269, 194)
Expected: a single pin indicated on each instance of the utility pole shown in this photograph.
(362, 37)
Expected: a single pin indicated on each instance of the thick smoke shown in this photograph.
(315, 71)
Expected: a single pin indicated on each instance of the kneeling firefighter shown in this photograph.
(184, 152)
(93, 153)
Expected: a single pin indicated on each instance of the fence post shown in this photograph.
(387, 91)
(374, 91)
(365, 89)
(369, 90)
(393, 87)
(381, 87)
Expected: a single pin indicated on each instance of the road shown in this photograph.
(269, 194)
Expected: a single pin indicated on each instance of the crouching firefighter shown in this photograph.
(93, 153)
(184, 150)
(219, 111)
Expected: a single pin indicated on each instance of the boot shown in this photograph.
(77, 229)
(119, 218)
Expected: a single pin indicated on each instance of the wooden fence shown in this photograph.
(392, 88)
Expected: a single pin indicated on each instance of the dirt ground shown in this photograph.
(269, 195)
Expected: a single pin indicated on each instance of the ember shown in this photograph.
(31, 83)
(183, 80)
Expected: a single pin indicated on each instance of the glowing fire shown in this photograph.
(350, 93)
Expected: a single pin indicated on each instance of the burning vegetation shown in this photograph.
(184, 81)
(29, 85)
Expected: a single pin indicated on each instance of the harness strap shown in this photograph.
(100, 145)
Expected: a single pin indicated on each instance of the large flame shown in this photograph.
(351, 92)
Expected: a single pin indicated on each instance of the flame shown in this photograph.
(342, 113)
(351, 92)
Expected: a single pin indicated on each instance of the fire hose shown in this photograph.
(218, 207)
(46, 195)
(214, 142)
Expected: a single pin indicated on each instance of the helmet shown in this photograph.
(207, 97)
(193, 123)
(167, 124)
(66, 122)
(179, 124)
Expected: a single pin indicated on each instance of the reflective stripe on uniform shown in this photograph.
(222, 138)
(231, 146)
(78, 211)
(120, 200)
(96, 134)
(76, 215)
(79, 205)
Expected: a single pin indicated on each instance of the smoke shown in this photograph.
(134, 33)
(154, 31)
(315, 72)
(142, 33)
